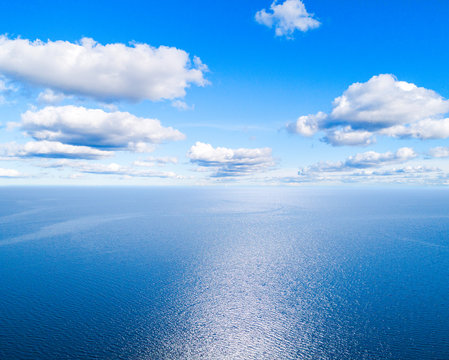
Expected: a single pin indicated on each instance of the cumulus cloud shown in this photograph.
(382, 105)
(287, 17)
(80, 126)
(230, 162)
(9, 173)
(307, 125)
(51, 149)
(103, 72)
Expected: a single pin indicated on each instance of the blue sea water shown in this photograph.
(224, 273)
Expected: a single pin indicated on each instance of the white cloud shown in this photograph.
(383, 101)
(3, 86)
(439, 152)
(5, 89)
(424, 129)
(230, 162)
(393, 175)
(181, 105)
(9, 173)
(104, 72)
(307, 125)
(383, 105)
(368, 159)
(96, 128)
(51, 149)
(49, 96)
(348, 137)
(110, 169)
(153, 161)
(287, 17)
(372, 158)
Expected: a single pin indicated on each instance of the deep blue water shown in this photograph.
(206, 273)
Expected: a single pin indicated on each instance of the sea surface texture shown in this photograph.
(227, 273)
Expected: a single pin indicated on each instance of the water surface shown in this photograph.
(192, 273)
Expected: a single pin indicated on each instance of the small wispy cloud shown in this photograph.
(51, 97)
(182, 105)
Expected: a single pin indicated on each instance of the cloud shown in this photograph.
(381, 106)
(230, 162)
(287, 17)
(152, 161)
(80, 126)
(348, 137)
(9, 173)
(49, 96)
(403, 174)
(181, 105)
(422, 175)
(383, 101)
(424, 129)
(103, 72)
(439, 152)
(364, 160)
(368, 166)
(51, 149)
(110, 169)
(307, 125)
(5, 89)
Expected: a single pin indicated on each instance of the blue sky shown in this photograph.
(246, 114)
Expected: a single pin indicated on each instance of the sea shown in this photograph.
(224, 273)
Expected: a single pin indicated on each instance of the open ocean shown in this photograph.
(224, 273)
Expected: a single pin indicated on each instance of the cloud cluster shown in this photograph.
(230, 162)
(103, 72)
(51, 149)
(287, 17)
(96, 128)
(368, 159)
(374, 167)
(383, 105)
(402, 174)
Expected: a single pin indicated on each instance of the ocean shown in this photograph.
(224, 273)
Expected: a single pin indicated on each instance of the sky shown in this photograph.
(224, 92)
